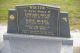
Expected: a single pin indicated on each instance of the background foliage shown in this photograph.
(71, 6)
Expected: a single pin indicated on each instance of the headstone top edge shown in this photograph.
(39, 4)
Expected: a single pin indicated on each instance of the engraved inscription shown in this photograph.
(37, 20)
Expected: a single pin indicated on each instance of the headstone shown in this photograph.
(38, 19)
(64, 25)
(37, 28)
(12, 21)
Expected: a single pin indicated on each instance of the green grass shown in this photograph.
(71, 6)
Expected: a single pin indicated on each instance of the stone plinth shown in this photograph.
(20, 43)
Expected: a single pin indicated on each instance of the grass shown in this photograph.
(71, 6)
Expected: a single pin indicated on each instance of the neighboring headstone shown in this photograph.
(64, 25)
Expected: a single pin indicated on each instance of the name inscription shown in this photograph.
(37, 20)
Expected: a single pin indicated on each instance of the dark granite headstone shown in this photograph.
(38, 19)
(29, 21)
(64, 25)
(12, 21)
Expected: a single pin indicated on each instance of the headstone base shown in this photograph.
(20, 43)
